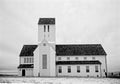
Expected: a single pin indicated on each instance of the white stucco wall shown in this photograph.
(36, 62)
(49, 36)
(52, 61)
(44, 50)
(101, 58)
(22, 59)
(82, 73)
(28, 71)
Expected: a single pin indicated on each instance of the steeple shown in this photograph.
(46, 30)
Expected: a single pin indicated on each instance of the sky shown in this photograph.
(77, 22)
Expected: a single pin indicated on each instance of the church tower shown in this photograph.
(46, 48)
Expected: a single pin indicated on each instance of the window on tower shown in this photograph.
(48, 28)
(44, 28)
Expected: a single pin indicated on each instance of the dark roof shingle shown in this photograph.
(28, 50)
(77, 62)
(25, 66)
(82, 49)
(46, 21)
(68, 50)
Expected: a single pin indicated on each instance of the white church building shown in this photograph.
(48, 59)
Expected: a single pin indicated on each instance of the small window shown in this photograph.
(44, 28)
(44, 44)
(76, 58)
(24, 60)
(87, 69)
(30, 60)
(96, 69)
(78, 69)
(59, 58)
(85, 58)
(68, 58)
(69, 69)
(93, 58)
(27, 60)
(48, 28)
(60, 69)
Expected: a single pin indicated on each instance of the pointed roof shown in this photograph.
(26, 66)
(82, 49)
(69, 50)
(28, 50)
(46, 21)
(77, 62)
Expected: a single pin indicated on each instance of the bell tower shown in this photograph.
(46, 30)
(46, 47)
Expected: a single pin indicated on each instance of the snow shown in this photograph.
(59, 80)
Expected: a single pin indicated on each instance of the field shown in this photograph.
(59, 80)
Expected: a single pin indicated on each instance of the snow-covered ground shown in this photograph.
(59, 80)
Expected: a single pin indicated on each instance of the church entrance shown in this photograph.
(23, 72)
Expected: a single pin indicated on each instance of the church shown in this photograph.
(48, 59)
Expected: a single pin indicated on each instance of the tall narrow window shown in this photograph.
(27, 60)
(30, 60)
(24, 60)
(87, 69)
(44, 63)
(69, 69)
(48, 28)
(44, 28)
(60, 69)
(78, 69)
(96, 69)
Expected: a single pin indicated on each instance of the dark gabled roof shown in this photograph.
(68, 50)
(25, 66)
(77, 62)
(28, 50)
(82, 49)
(46, 21)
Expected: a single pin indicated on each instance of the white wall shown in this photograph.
(49, 36)
(101, 58)
(44, 50)
(52, 62)
(82, 73)
(36, 62)
(22, 59)
(28, 71)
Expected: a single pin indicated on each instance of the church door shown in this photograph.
(23, 72)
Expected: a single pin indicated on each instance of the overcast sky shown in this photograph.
(77, 21)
